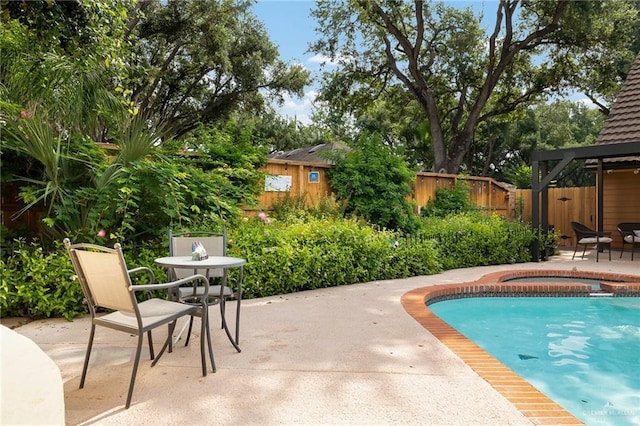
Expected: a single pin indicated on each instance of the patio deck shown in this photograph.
(340, 355)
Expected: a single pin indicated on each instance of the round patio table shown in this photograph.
(205, 265)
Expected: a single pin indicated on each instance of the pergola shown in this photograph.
(542, 176)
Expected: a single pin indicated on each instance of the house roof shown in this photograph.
(623, 122)
(309, 154)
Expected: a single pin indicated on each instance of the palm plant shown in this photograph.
(54, 108)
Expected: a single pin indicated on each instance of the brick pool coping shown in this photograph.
(536, 406)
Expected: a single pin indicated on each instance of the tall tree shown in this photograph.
(59, 57)
(200, 60)
(559, 124)
(459, 75)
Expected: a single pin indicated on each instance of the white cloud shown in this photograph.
(588, 103)
(298, 108)
(325, 60)
(320, 59)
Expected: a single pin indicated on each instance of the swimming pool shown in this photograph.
(530, 401)
(582, 352)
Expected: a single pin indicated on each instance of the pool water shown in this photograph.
(582, 352)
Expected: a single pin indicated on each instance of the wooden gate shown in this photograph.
(566, 205)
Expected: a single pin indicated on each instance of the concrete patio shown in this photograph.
(340, 355)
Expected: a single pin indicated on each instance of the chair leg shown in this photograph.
(208, 331)
(151, 353)
(87, 355)
(584, 251)
(622, 251)
(186, 342)
(167, 343)
(135, 369)
(238, 319)
(574, 252)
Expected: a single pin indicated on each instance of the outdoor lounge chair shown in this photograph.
(586, 236)
(106, 283)
(215, 244)
(626, 230)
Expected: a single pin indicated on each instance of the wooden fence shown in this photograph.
(566, 205)
(309, 180)
(293, 178)
(484, 193)
(10, 205)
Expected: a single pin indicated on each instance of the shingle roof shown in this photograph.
(310, 154)
(623, 122)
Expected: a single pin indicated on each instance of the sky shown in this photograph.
(291, 28)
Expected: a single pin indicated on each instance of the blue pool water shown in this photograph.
(582, 352)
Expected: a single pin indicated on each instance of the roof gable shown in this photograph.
(623, 122)
(310, 154)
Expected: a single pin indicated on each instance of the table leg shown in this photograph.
(224, 317)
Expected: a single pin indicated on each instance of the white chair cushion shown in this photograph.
(637, 232)
(594, 240)
(631, 239)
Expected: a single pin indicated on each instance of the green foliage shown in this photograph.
(412, 257)
(472, 239)
(67, 89)
(39, 285)
(520, 175)
(449, 201)
(200, 61)
(444, 72)
(304, 254)
(374, 184)
(290, 207)
(320, 253)
(284, 134)
(328, 207)
(293, 208)
(144, 189)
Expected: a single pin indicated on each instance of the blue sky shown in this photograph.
(291, 28)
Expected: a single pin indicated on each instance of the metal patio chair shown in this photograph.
(626, 230)
(215, 244)
(586, 236)
(106, 283)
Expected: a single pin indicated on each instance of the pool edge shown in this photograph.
(532, 403)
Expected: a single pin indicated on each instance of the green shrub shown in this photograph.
(289, 206)
(302, 253)
(411, 258)
(473, 239)
(374, 184)
(39, 285)
(448, 201)
(320, 253)
(328, 207)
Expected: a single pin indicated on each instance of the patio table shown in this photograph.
(212, 262)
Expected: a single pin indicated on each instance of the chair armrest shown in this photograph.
(173, 284)
(144, 269)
